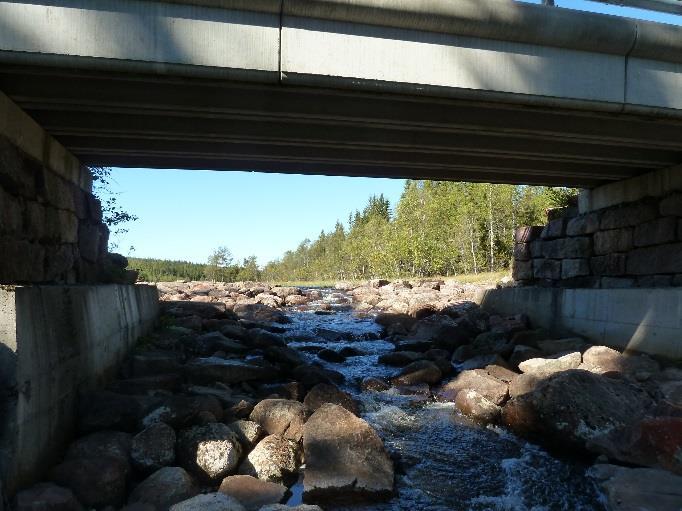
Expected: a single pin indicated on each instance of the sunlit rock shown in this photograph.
(275, 459)
(345, 458)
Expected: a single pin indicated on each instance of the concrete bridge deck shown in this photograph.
(480, 90)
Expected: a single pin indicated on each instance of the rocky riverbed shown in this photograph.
(385, 396)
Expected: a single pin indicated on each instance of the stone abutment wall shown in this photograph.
(637, 244)
(51, 228)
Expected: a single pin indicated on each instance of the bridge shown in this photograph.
(479, 90)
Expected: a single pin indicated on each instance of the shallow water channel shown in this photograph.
(444, 461)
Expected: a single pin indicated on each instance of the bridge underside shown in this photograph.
(132, 120)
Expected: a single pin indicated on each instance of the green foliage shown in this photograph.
(437, 228)
(112, 214)
(220, 268)
(159, 270)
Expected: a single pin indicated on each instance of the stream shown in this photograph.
(444, 461)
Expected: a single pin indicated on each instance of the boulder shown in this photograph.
(521, 353)
(146, 363)
(655, 442)
(213, 369)
(260, 312)
(275, 459)
(494, 390)
(481, 361)
(311, 375)
(441, 330)
(422, 371)
(179, 411)
(490, 343)
(502, 373)
(361, 467)
(165, 487)
(96, 481)
(523, 384)
(374, 384)
(638, 489)
(211, 451)
(326, 393)
(263, 339)
(569, 344)
(248, 432)
(577, 408)
(251, 492)
(294, 300)
(105, 410)
(46, 497)
(153, 448)
(544, 367)
(400, 358)
(209, 502)
(284, 355)
(103, 444)
(474, 405)
(602, 360)
(331, 355)
(280, 417)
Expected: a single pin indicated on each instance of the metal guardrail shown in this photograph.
(667, 6)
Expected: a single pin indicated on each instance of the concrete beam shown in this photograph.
(652, 184)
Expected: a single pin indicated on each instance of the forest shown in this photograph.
(436, 229)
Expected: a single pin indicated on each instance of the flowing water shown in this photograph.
(444, 461)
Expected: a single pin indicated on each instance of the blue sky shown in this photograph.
(186, 214)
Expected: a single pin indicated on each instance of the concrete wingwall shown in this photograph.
(56, 341)
(646, 320)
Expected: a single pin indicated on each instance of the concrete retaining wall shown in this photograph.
(54, 342)
(647, 320)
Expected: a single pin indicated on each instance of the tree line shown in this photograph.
(436, 229)
(219, 268)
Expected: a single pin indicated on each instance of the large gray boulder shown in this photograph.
(603, 360)
(280, 417)
(578, 408)
(327, 393)
(491, 388)
(544, 367)
(96, 481)
(639, 489)
(165, 487)
(248, 432)
(209, 502)
(345, 458)
(212, 451)
(46, 497)
(153, 448)
(275, 459)
(253, 493)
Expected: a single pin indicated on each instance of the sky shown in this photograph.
(185, 215)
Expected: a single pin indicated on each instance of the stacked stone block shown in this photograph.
(638, 244)
(51, 228)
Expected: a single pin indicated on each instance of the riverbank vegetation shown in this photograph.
(438, 229)
(435, 229)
